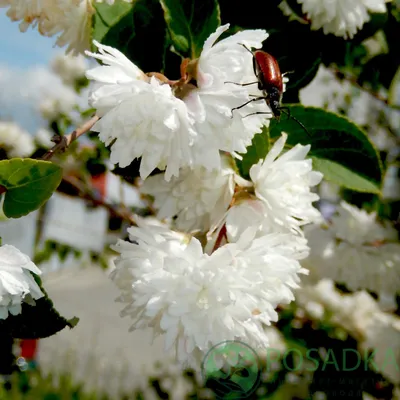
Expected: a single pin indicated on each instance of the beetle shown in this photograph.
(270, 83)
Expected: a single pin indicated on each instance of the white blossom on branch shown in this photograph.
(197, 300)
(17, 284)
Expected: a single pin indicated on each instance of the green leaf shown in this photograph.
(190, 23)
(106, 17)
(343, 176)
(136, 29)
(354, 160)
(29, 184)
(36, 321)
(255, 152)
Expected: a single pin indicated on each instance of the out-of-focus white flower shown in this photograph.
(383, 338)
(71, 20)
(26, 11)
(199, 300)
(43, 138)
(62, 103)
(69, 68)
(199, 198)
(15, 141)
(360, 315)
(148, 121)
(17, 285)
(283, 184)
(340, 17)
(352, 312)
(358, 251)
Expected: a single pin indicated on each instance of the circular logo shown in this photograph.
(232, 370)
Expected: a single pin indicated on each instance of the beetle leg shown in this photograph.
(247, 102)
(258, 112)
(242, 84)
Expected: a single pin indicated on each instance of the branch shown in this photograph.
(122, 212)
(353, 80)
(62, 142)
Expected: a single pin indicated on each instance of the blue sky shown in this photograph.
(25, 77)
(23, 50)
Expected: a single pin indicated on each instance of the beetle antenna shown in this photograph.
(241, 44)
(286, 111)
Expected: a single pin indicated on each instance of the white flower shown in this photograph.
(26, 11)
(71, 20)
(383, 338)
(15, 141)
(283, 184)
(148, 121)
(352, 312)
(43, 138)
(145, 118)
(340, 17)
(69, 68)
(198, 300)
(53, 106)
(199, 198)
(210, 105)
(249, 212)
(356, 250)
(17, 285)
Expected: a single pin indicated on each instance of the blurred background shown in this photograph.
(42, 93)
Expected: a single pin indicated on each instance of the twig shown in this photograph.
(122, 212)
(353, 80)
(62, 142)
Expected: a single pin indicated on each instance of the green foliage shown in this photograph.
(36, 321)
(137, 30)
(190, 23)
(257, 151)
(28, 183)
(340, 149)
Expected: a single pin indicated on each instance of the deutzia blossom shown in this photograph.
(355, 249)
(26, 11)
(71, 20)
(282, 183)
(172, 126)
(17, 285)
(144, 118)
(210, 105)
(198, 300)
(69, 68)
(199, 198)
(15, 141)
(341, 17)
(383, 338)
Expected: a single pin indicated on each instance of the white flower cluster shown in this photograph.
(355, 249)
(225, 284)
(15, 141)
(70, 20)
(70, 69)
(339, 17)
(190, 125)
(361, 317)
(197, 299)
(17, 284)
